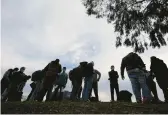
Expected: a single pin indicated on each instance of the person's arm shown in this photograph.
(109, 75)
(142, 64)
(6, 75)
(97, 72)
(123, 65)
(117, 74)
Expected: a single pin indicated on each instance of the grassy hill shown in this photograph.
(66, 107)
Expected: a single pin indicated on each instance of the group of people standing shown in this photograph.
(52, 80)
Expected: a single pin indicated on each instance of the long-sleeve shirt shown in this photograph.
(96, 72)
(113, 76)
(131, 61)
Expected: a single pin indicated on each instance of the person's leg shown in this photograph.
(79, 93)
(112, 91)
(87, 88)
(145, 90)
(165, 92)
(117, 90)
(31, 93)
(54, 94)
(154, 91)
(74, 90)
(61, 93)
(41, 94)
(49, 92)
(135, 87)
(95, 88)
(90, 92)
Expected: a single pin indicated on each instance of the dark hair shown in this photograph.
(16, 69)
(57, 60)
(64, 67)
(22, 68)
(112, 66)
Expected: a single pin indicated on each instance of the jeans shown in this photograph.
(87, 88)
(138, 82)
(95, 88)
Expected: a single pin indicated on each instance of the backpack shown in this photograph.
(37, 75)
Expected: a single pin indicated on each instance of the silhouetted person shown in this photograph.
(61, 84)
(89, 71)
(152, 85)
(51, 75)
(37, 78)
(75, 76)
(33, 86)
(113, 77)
(95, 84)
(5, 82)
(18, 81)
(125, 96)
(134, 66)
(160, 70)
(79, 93)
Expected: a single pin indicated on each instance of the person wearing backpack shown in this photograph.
(37, 78)
(51, 71)
(89, 71)
(134, 66)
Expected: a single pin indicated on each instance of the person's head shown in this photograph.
(15, 69)
(64, 69)
(153, 58)
(112, 67)
(57, 60)
(22, 69)
(92, 63)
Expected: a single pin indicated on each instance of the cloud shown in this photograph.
(37, 32)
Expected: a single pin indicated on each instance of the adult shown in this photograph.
(89, 71)
(96, 78)
(52, 71)
(160, 70)
(60, 85)
(113, 77)
(134, 66)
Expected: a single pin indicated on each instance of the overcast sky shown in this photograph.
(35, 32)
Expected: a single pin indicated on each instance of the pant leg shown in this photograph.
(90, 92)
(61, 93)
(112, 91)
(145, 90)
(87, 88)
(49, 92)
(79, 93)
(95, 88)
(135, 87)
(74, 90)
(41, 94)
(54, 94)
(154, 90)
(165, 92)
(30, 94)
(117, 90)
